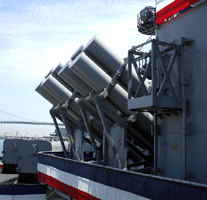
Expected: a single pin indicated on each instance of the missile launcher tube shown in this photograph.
(55, 88)
(96, 78)
(110, 62)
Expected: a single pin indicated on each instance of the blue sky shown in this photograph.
(36, 35)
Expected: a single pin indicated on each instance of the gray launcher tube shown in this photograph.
(77, 52)
(56, 89)
(52, 100)
(80, 86)
(53, 86)
(71, 78)
(55, 72)
(46, 95)
(74, 81)
(96, 78)
(101, 53)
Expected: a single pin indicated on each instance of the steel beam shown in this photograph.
(155, 144)
(99, 106)
(123, 144)
(130, 57)
(59, 133)
(154, 80)
(63, 114)
(166, 73)
(139, 75)
(82, 109)
(142, 79)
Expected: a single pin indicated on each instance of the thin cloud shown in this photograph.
(35, 37)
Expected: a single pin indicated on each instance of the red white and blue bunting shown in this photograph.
(82, 180)
(168, 8)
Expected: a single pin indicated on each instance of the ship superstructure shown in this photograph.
(145, 116)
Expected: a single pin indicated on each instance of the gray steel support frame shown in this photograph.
(155, 144)
(185, 84)
(157, 100)
(124, 144)
(184, 122)
(84, 115)
(99, 105)
(63, 113)
(114, 79)
(59, 133)
(105, 147)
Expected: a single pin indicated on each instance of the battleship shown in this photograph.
(142, 117)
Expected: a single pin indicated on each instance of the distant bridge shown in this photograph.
(29, 123)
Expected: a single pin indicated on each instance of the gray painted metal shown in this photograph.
(24, 152)
(55, 70)
(182, 139)
(28, 150)
(112, 109)
(107, 130)
(55, 75)
(67, 75)
(94, 76)
(164, 95)
(77, 52)
(63, 114)
(109, 61)
(46, 95)
(10, 149)
(119, 134)
(78, 135)
(52, 86)
(55, 88)
(74, 81)
(90, 133)
(104, 55)
(59, 134)
(155, 132)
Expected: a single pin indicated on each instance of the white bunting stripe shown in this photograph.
(93, 188)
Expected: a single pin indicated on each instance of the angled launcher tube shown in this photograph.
(56, 89)
(74, 121)
(81, 87)
(54, 72)
(109, 61)
(96, 78)
(98, 51)
(74, 81)
(46, 95)
(77, 52)
(70, 82)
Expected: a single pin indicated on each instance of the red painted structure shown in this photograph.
(172, 9)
